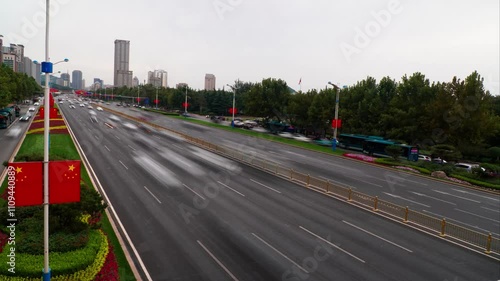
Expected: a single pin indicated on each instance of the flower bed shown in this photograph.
(361, 157)
(57, 125)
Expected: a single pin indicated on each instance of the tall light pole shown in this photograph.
(156, 101)
(234, 102)
(138, 89)
(337, 89)
(186, 101)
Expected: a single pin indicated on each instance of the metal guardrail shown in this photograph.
(439, 226)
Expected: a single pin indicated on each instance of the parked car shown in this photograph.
(424, 157)
(439, 161)
(301, 137)
(286, 135)
(468, 167)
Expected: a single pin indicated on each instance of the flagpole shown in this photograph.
(46, 268)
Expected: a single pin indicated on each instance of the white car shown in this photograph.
(99, 108)
(286, 135)
(424, 157)
(31, 109)
(13, 132)
(82, 105)
(36, 104)
(301, 137)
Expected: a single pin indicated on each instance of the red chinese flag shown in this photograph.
(138, 99)
(64, 181)
(25, 183)
(156, 101)
(231, 110)
(51, 100)
(40, 112)
(184, 104)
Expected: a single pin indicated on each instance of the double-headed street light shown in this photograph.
(337, 89)
(234, 100)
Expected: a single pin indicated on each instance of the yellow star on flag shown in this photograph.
(19, 170)
(71, 167)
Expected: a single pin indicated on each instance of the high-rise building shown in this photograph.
(210, 82)
(77, 82)
(98, 83)
(158, 78)
(122, 75)
(181, 85)
(65, 77)
(10, 61)
(18, 50)
(135, 82)
(27, 66)
(1, 50)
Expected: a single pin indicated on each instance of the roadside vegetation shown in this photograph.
(82, 243)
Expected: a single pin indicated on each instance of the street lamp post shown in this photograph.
(186, 101)
(138, 89)
(234, 102)
(156, 101)
(337, 89)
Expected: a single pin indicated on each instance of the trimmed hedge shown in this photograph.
(82, 264)
(477, 182)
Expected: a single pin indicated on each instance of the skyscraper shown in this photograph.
(122, 75)
(65, 78)
(157, 78)
(209, 82)
(77, 80)
(1, 52)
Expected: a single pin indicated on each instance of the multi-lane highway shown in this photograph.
(193, 215)
(467, 207)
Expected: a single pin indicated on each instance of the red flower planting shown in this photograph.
(109, 271)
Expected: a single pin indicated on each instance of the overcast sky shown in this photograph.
(313, 40)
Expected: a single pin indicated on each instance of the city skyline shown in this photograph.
(292, 40)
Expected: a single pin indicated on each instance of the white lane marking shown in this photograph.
(117, 137)
(131, 147)
(493, 210)
(107, 148)
(338, 182)
(381, 238)
(482, 196)
(179, 147)
(331, 244)
(425, 195)
(363, 181)
(463, 223)
(232, 189)
(277, 191)
(217, 261)
(446, 193)
(391, 176)
(123, 164)
(402, 198)
(96, 137)
(152, 195)
(479, 216)
(281, 254)
(196, 193)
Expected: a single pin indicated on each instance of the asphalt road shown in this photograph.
(464, 206)
(8, 141)
(193, 215)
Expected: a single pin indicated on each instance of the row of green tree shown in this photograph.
(16, 87)
(414, 110)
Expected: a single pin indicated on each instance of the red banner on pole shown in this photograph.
(64, 181)
(25, 183)
(336, 123)
(184, 105)
(231, 110)
(138, 99)
(156, 101)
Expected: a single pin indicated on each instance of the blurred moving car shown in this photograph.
(31, 109)
(13, 132)
(99, 108)
(439, 161)
(25, 117)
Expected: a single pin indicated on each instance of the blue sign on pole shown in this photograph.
(146, 101)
